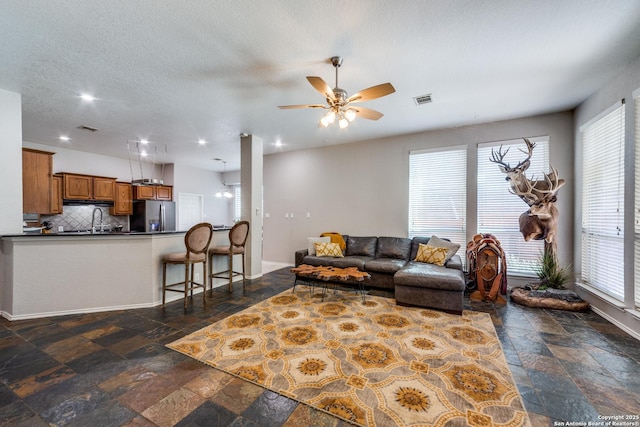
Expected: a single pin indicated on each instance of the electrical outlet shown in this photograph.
(197, 276)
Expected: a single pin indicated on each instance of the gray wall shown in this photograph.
(621, 86)
(362, 188)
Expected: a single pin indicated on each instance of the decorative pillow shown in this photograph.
(451, 248)
(312, 240)
(328, 249)
(431, 255)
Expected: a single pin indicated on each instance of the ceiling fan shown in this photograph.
(339, 105)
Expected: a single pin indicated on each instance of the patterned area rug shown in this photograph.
(372, 363)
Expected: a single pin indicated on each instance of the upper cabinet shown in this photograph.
(56, 195)
(123, 204)
(87, 187)
(144, 192)
(77, 187)
(153, 192)
(36, 181)
(104, 188)
(164, 192)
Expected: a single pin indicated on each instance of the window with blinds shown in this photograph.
(237, 203)
(499, 210)
(438, 194)
(636, 262)
(603, 202)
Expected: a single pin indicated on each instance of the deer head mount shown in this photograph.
(531, 191)
(541, 220)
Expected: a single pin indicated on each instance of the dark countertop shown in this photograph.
(115, 233)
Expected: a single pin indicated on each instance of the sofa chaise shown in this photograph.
(392, 264)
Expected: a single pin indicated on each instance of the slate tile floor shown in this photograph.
(112, 369)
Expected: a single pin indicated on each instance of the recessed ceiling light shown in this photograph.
(64, 138)
(202, 141)
(278, 143)
(144, 141)
(87, 97)
(143, 153)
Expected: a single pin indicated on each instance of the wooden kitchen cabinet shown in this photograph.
(164, 192)
(87, 187)
(36, 181)
(153, 192)
(104, 188)
(123, 203)
(144, 192)
(56, 195)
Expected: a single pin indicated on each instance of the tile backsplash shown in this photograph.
(78, 218)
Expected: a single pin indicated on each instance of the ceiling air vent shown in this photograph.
(424, 99)
(89, 128)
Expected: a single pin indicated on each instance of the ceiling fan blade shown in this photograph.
(322, 87)
(289, 107)
(367, 113)
(372, 93)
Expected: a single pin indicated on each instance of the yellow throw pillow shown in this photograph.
(431, 255)
(328, 249)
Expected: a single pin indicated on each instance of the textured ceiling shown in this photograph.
(174, 72)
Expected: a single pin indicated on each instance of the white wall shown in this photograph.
(74, 161)
(362, 188)
(11, 179)
(621, 86)
(198, 181)
(11, 166)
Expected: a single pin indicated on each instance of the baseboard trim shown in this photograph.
(170, 298)
(29, 316)
(616, 322)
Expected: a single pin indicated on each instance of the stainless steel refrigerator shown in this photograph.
(153, 216)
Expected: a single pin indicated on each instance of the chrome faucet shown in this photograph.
(93, 220)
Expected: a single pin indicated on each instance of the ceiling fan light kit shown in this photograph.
(338, 103)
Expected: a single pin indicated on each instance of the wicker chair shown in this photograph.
(237, 241)
(196, 241)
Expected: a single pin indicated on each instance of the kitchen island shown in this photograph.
(57, 274)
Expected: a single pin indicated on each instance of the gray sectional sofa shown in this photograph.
(391, 263)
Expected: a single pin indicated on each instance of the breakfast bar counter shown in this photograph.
(58, 274)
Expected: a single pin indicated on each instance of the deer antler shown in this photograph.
(499, 156)
(529, 153)
(553, 182)
(527, 194)
(531, 192)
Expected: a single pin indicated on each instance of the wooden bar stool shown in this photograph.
(197, 242)
(237, 241)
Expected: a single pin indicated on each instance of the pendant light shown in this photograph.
(224, 191)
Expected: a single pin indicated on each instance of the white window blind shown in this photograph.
(603, 203)
(637, 206)
(499, 210)
(237, 203)
(438, 194)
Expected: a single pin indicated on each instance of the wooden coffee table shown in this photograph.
(326, 274)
